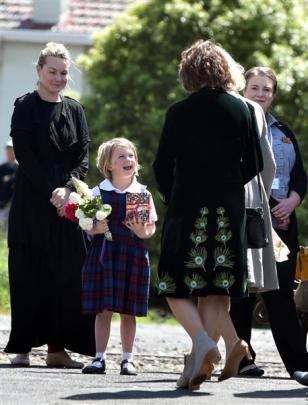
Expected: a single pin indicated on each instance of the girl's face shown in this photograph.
(261, 90)
(53, 76)
(123, 162)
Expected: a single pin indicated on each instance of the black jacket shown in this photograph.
(7, 178)
(47, 159)
(298, 176)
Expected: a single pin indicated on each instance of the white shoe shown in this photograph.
(205, 356)
(21, 360)
(184, 378)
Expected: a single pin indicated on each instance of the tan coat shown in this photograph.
(262, 272)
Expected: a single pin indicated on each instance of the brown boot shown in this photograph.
(62, 360)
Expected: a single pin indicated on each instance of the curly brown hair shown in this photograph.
(205, 63)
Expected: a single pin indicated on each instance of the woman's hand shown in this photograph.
(99, 227)
(286, 206)
(283, 224)
(143, 231)
(59, 199)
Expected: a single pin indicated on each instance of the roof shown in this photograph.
(83, 16)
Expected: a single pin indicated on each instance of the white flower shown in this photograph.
(75, 198)
(193, 284)
(79, 213)
(100, 215)
(88, 194)
(86, 224)
(82, 187)
(198, 239)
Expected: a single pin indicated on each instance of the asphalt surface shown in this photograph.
(159, 357)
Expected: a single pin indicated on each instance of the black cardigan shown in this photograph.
(44, 164)
(298, 176)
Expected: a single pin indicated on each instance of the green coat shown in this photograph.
(204, 159)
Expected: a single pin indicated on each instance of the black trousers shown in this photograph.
(287, 334)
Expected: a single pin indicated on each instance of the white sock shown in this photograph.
(127, 356)
(100, 355)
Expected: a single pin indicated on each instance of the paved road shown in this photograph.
(159, 351)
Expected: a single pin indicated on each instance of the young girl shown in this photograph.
(116, 273)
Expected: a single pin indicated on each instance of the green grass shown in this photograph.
(154, 316)
(4, 282)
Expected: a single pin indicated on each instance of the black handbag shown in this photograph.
(255, 225)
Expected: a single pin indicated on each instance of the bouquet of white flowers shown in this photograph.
(85, 209)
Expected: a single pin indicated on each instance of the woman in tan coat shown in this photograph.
(261, 264)
(262, 272)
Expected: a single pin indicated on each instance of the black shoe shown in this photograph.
(92, 369)
(301, 377)
(128, 368)
(251, 370)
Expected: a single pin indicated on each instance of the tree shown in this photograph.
(132, 66)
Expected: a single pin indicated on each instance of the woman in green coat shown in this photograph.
(205, 157)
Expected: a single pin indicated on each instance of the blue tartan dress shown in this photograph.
(116, 274)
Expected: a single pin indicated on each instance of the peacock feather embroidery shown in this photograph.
(165, 284)
(198, 257)
(194, 281)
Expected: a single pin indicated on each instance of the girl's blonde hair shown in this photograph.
(53, 49)
(106, 150)
(206, 64)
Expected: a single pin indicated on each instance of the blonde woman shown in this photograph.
(46, 252)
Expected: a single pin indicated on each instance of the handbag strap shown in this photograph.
(257, 167)
(255, 155)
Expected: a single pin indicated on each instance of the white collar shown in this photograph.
(134, 187)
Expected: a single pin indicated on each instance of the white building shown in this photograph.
(27, 25)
